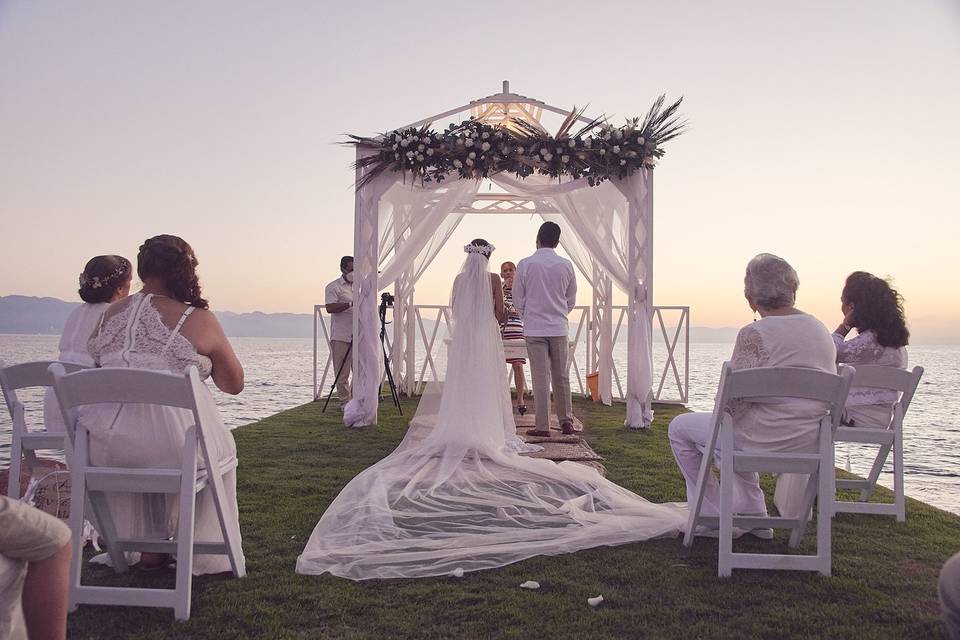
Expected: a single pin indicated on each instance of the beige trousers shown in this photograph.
(548, 362)
(340, 351)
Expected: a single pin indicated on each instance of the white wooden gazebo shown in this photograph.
(607, 230)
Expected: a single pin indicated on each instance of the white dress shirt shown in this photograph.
(341, 324)
(544, 293)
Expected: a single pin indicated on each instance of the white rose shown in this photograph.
(472, 155)
(520, 150)
(486, 134)
(623, 162)
(395, 147)
(572, 143)
(409, 154)
(548, 157)
(543, 151)
(565, 158)
(429, 152)
(602, 152)
(415, 138)
(559, 149)
(457, 164)
(469, 162)
(485, 146)
(419, 157)
(618, 134)
(404, 143)
(421, 147)
(426, 140)
(640, 140)
(468, 142)
(616, 148)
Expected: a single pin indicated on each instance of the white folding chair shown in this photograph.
(759, 384)
(91, 483)
(905, 384)
(26, 442)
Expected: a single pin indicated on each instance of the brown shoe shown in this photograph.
(538, 434)
(567, 428)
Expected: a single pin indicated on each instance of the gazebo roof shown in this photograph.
(502, 108)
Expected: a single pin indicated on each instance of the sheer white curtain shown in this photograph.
(611, 223)
(410, 224)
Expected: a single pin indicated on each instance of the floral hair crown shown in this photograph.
(95, 282)
(485, 249)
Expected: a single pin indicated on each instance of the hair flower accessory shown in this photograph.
(485, 249)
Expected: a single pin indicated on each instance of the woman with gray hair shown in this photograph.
(784, 336)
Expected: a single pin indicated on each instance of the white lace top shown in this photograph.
(137, 338)
(864, 349)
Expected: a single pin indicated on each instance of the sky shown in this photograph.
(823, 131)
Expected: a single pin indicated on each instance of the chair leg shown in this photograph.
(898, 488)
(231, 541)
(78, 500)
(13, 480)
(697, 502)
(875, 472)
(824, 521)
(185, 528)
(725, 560)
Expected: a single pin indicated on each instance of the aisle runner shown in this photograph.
(558, 446)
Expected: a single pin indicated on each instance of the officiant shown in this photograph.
(338, 300)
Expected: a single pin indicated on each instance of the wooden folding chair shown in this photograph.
(26, 442)
(759, 384)
(905, 384)
(91, 483)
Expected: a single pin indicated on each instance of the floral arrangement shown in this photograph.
(474, 149)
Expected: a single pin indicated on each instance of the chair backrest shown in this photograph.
(118, 385)
(882, 377)
(29, 374)
(785, 382)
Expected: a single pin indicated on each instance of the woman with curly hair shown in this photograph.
(166, 326)
(871, 306)
(105, 279)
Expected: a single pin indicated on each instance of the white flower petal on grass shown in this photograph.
(457, 573)
(530, 584)
(595, 602)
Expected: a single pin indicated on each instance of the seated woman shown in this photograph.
(104, 280)
(512, 332)
(167, 326)
(784, 336)
(871, 306)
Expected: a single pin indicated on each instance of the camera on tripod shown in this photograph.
(386, 299)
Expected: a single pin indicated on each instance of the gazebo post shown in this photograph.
(602, 338)
(639, 302)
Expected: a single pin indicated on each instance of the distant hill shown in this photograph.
(32, 315)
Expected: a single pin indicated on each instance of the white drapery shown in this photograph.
(400, 228)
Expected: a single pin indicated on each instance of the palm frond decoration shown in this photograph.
(475, 149)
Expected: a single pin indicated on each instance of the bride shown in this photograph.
(457, 494)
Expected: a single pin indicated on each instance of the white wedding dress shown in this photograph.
(457, 494)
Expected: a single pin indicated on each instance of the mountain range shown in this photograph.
(32, 315)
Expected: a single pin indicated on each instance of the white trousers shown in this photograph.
(688, 430)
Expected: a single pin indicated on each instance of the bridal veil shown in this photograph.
(457, 493)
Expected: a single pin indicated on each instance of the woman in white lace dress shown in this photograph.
(105, 279)
(167, 326)
(871, 306)
(784, 336)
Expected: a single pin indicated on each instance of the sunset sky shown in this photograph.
(823, 131)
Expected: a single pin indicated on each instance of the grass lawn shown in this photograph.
(293, 464)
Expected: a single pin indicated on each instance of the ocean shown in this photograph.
(278, 377)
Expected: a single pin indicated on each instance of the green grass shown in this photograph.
(293, 464)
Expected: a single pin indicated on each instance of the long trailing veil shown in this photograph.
(457, 493)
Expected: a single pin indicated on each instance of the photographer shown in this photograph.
(339, 304)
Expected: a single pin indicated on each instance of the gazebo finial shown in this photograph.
(506, 86)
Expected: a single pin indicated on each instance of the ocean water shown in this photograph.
(278, 377)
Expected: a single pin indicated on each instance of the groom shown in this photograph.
(544, 293)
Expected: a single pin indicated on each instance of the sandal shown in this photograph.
(522, 409)
(538, 434)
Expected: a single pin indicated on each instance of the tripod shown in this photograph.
(387, 300)
(337, 378)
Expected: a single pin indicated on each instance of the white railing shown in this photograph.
(671, 377)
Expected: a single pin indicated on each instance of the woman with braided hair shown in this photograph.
(166, 326)
(105, 279)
